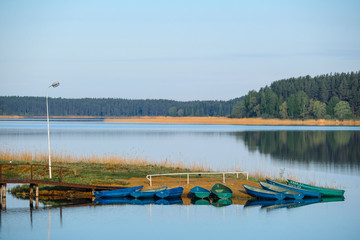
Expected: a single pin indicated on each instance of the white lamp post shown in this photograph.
(54, 85)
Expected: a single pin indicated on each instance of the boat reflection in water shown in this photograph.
(132, 201)
(222, 202)
(291, 203)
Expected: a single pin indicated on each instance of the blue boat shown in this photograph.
(118, 193)
(262, 193)
(288, 193)
(170, 193)
(306, 193)
(200, 192)
(147, 193)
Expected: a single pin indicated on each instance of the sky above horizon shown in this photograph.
(180, 50)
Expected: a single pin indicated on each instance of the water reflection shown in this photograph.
(338, 148)
(289, 203)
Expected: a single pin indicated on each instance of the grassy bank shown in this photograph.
(95, 170)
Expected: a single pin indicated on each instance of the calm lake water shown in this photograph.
(325, 155)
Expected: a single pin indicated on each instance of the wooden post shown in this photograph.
(37, 190)
(3, 203)
(31, 193)
(3, 190)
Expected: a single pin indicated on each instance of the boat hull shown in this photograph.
(147, 193)
(329, 192)
(262, 193)
(170, 193)
(200, 192)
(221, 191)
(288, 193)
(118, 193)
(306, 193)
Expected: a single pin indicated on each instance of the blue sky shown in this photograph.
(181, 50)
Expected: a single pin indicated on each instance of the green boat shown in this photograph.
(200, 192)
(221, 191)
(330, 192)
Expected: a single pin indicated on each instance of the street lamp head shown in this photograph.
(55, 84)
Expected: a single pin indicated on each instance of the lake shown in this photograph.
(324, 155)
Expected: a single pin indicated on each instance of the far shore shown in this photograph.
(207, 120)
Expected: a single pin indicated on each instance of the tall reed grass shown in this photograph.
(59, 158)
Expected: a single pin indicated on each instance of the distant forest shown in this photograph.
(330, 96)
(109, 107)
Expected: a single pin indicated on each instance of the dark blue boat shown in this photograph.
(118, 193)
(306, 193)
(262, 193)
(170, 193)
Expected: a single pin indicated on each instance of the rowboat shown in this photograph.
(262, 193)
(330, 192)
(170, 193)
(147, 193)
(200, 192)
(288, 193)
(221, 191)
(117, 193)
(306, 193)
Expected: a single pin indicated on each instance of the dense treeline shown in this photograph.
(326, 96)
(109, 107)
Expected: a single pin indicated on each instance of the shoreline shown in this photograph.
(201, 120)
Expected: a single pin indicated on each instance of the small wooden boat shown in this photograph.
(307, 193)
(170, 193)
(262, 193)
(288, 193)
(329, 192)
(221, 191)
(200, 192)
(118, 193)
(147, 193)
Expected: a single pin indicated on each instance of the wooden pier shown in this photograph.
(34, 183)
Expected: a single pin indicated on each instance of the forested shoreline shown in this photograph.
(330, 96)
(111, 107)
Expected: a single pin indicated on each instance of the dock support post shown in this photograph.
(31, 193)
(37, 190)
(3, 190)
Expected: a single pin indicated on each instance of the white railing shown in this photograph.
(149, 177)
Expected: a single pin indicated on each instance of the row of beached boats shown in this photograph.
(270, 190)
(136, 192)
(219, 190)
(291, 190)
